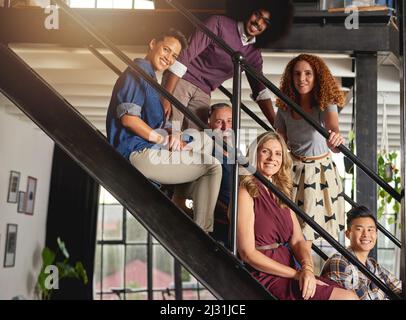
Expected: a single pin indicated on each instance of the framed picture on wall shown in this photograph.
(11, 246)
(21, 202)
(13, 184)
(30, 195)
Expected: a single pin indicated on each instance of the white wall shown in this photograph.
(26, 149)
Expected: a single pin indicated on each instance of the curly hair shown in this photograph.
(282, 179)
(281, 17)
(326, 91)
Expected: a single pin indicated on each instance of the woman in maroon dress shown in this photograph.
(269, 234)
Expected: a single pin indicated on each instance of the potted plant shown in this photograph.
(388, 171)
(57, 262)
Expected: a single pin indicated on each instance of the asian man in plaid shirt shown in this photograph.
(362, 233)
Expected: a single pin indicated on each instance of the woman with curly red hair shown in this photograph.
(316, 183)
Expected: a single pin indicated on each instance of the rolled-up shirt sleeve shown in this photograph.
(178, 68)
(332, 108)
(128, 108)
(265, 94)
(130, 96)
(394, 283)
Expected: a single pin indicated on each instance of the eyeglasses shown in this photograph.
(258, 16)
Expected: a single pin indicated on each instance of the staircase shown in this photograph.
(89, 92)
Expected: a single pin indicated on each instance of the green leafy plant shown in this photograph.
(388, 171)
(60, 259)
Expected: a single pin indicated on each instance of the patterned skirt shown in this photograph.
(316, 190)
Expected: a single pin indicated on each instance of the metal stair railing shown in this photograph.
(292, 205)
(207, 260)
(239, 64)
(237, 153)
(261, 78)
(259, 121)
(117, 71)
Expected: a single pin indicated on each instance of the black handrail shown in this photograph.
(204, 257)
(380, 227)
(261, 78)
(241, 159)
(237, 57)
(130, 63)
(118, 72)
(373, 175)
(107, 62)
(334, 243)
(319, 252)
(225, 91)
(236, 119)
(314, 247)
(274, 89)
(246, 110)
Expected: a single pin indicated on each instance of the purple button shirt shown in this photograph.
(208, 66)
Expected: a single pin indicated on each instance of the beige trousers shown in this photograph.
(195, 99)
(196, 174)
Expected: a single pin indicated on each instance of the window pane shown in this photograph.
(106, 198)
(206, 295)
(189, 285)
(162, 270)
(383, 241)
(136, 271)
(113, 267)
(135, 231)
(137, 296)
(105, 4)
(99, 230)
(144, 4)
(109, 296)
(117, 4)
(387, 259)
(96, 296)
(82, 3)
(164, 294)
(97, 273)
(192, 289)
(113, 222)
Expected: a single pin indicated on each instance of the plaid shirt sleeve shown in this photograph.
(391, 281)
(338, 269)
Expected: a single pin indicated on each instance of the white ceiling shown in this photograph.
(87, 83)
